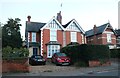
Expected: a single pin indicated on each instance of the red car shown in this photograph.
(60, 59)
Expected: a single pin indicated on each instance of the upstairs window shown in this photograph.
(33, 37)
(109, 40)
(53, 35)
(73, 37)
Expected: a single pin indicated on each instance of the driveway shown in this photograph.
(50, 67)
(52, 70)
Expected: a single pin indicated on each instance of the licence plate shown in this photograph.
(65, 63)
(39, 60)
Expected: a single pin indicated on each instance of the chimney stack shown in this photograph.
(59, 17)
(95, 29)
(29, 17)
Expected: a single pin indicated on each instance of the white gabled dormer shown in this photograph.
(74, 26)
(53, 24)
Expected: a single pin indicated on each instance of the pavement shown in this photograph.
(68, 71)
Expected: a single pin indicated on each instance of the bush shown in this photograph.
(87, 52)
(9, 53)
(115, 53)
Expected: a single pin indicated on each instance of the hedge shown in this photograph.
(115, 53)
(87, 52)
(9, 53)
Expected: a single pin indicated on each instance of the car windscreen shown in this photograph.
(61, 54)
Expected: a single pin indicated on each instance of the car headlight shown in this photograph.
(58, 59)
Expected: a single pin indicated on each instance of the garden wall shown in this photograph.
(15, 65)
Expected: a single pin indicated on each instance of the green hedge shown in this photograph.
(115, 53)
(87, 52)
(9, 53)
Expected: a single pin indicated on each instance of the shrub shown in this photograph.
(9, 53)
(115, 53)
(87, 52)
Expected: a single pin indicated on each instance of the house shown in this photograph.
(48, 38)
(118, 37)
(103, 35)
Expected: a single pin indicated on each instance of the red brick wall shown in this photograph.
(60, 37)
(102, 38)
(68, 40)
(15, 65)
(30, 36)
(79, 38)
(37, 37)
(46, 38)
(114, 39)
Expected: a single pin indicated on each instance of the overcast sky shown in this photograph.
(86, 12)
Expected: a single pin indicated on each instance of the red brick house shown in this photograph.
(48, 38)
(118, 37)
(103, 35)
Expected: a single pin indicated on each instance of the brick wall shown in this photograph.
(68, 39)
(46, 38)
(15, 65)
(79, 38)
(60, 37)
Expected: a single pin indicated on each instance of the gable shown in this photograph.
(74, 26)
(53, 24)
(109, 30)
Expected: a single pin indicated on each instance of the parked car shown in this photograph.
(37, 60)
(60, 59)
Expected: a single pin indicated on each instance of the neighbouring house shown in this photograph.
(48, 38)
(103, 35)
(118, 37)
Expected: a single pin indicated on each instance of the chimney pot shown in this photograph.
(29, 17)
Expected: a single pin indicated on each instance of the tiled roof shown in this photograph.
(34, 26)
(117, 32)
(100, 30)
(67, 24)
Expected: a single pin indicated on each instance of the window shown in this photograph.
(109, 38)
(33, 37)
(73, 37)
(53, 35)
(51, 49)
(82, 38)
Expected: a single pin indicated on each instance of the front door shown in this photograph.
(51, 49)
(35, 50)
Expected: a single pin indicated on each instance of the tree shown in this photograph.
(11, 33)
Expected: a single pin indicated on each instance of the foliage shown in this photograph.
(86, 52)
(115, 53)
(10, 53)
(11, 34)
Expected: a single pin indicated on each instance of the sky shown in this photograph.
(86, 12)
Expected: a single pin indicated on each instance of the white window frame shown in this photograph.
(33, 36)
(53, 35)
(82, 38)
(28, 37)
(109, 39)
(51, 49)
(73, 36)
